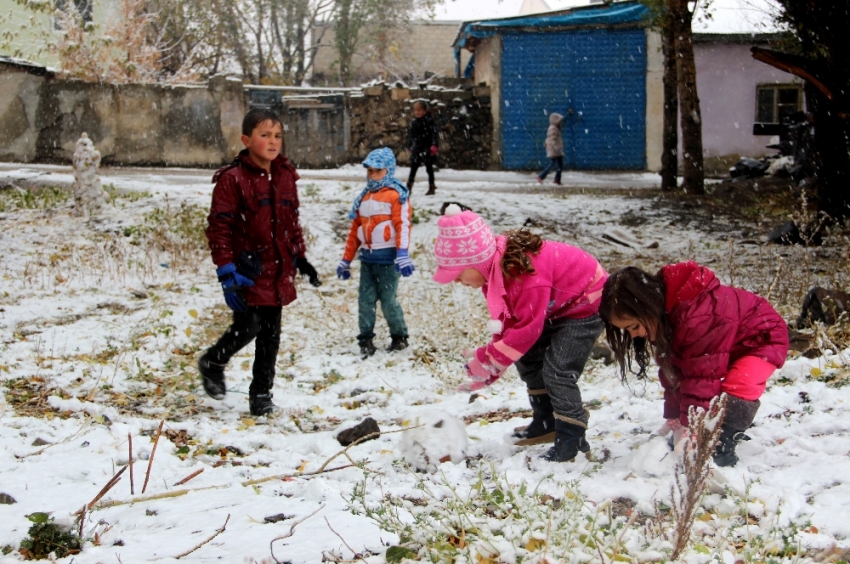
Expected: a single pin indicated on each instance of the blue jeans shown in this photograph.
(379, 282)
(557, 162)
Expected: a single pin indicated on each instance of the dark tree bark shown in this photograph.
(670, 136)
(691, 120)
(831, 158)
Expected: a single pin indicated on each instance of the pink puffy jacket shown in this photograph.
(713, 326)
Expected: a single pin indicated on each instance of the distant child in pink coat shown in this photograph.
(543, 298)
(707, 339)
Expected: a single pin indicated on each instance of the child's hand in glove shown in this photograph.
(481, 374)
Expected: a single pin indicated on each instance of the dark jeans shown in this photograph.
(558, 164)
(379, 282)
(262, 323)
(555, 362)
(428, 161)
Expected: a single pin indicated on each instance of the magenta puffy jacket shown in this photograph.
(713, 326)
(257, 213)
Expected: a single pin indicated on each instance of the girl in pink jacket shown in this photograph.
(707, 339)
(543, 298)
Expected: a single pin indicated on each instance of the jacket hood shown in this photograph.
(556, 119)
(685, 281)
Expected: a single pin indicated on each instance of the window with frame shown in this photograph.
(774, 102)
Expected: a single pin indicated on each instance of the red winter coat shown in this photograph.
(713, 326)
(256, 212)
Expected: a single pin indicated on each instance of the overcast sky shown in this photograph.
(728, 15)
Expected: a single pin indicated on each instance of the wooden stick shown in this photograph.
(153, 452)
(218, 532)
(189, 477)
(109, 485)
(292, 475)
(130, 464)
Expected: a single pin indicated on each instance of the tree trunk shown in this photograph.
(692, 165)
(831, 159)
(670, 138)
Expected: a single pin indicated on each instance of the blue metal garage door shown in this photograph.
(595, 78)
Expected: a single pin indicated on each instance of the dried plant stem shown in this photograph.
(82, 520)
(354, 552)
(692, 472)
(189, 477)
(153, 452)
(130, 463)
(291, 532)
(218, 532)
(152, 497)
(109, 485)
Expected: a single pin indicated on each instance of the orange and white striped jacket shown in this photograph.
(380, 226)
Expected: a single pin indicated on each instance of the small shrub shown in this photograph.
(46, 537)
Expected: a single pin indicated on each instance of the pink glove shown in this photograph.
(482, 374)
(433, 150)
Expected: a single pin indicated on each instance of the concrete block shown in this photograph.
(400, 94)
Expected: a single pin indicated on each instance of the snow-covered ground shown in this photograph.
(101, 324)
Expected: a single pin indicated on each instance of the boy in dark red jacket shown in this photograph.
(257, 245)
(707, 338)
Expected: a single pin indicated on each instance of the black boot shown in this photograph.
(409, 189)
(724, 454)
(569, 440)
(262, 404)
(542, 427)
(367, 347)
(212, 375)
(432, 189)
(398, 343)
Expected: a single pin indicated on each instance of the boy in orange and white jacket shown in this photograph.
(380, 228)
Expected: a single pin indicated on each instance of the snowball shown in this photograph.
(440, 438)
(494, 326)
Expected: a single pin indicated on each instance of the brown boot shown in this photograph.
(432, 189)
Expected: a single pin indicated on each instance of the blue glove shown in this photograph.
(343, 270)
(231, 282)
(403, 263)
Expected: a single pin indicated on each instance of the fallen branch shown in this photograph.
(218, 532)
(152, 497)
(189, 477)
(355, 553)
(291, 532)
(153, 452)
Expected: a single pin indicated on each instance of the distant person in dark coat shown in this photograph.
(424, 139)
(554, 145)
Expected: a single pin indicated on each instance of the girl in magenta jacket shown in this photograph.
(543, 298)
(707, 339)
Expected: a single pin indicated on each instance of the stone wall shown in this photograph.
(134, 124)
(380, 118)
(41, 118)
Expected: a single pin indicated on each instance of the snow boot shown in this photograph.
(262, 404)
(539, 180)
(724, 454)
(432, 189)
(569, 440)
(542, 427)
(367, 347)
(398, 343)
(212, 376)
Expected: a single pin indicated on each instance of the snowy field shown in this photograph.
(101, 325)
